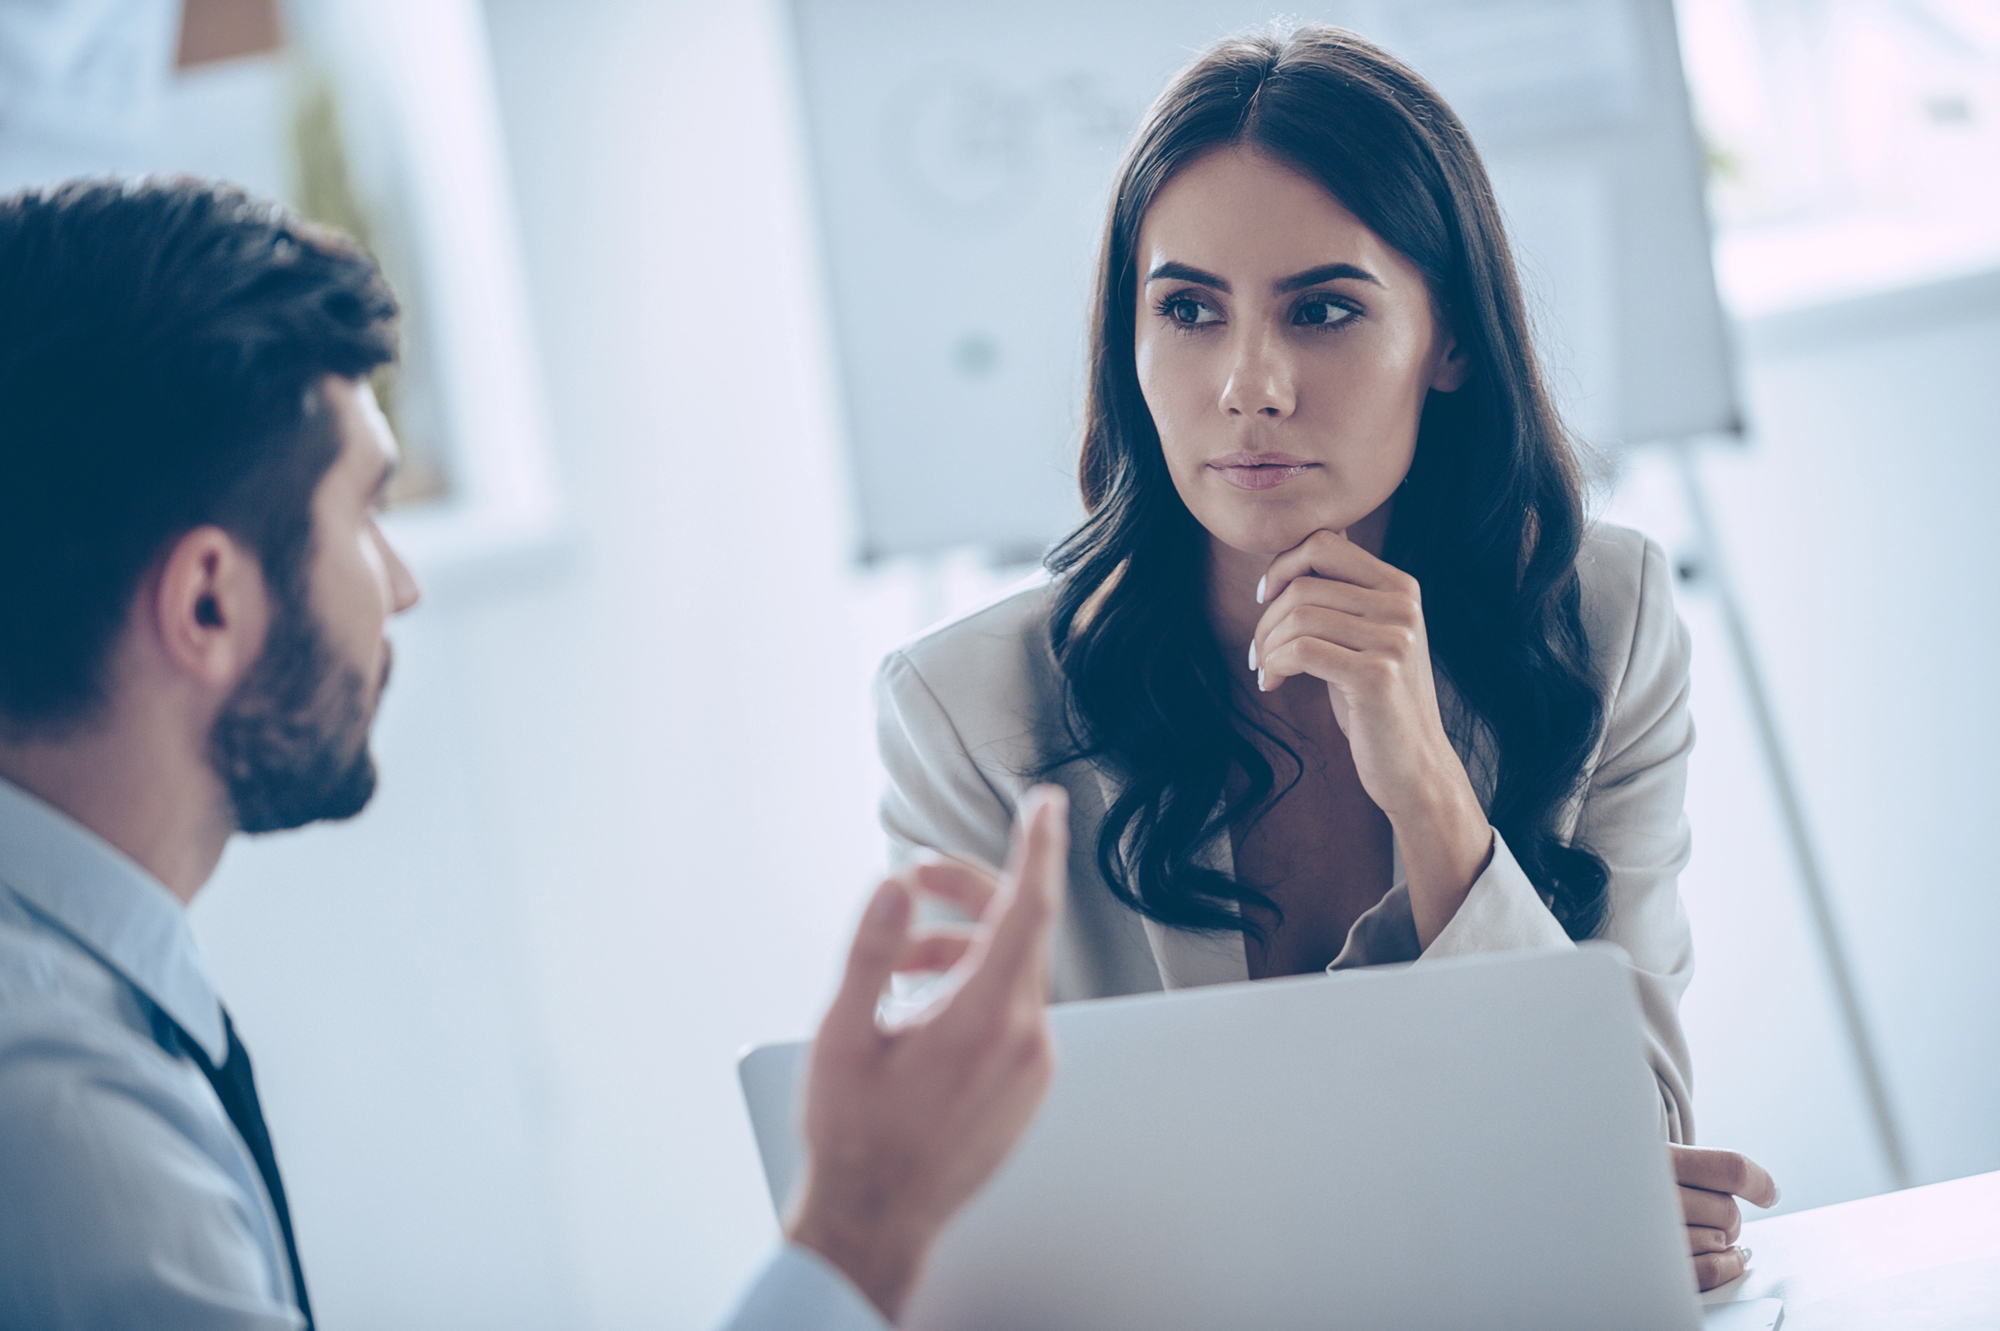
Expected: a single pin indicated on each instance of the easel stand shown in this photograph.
(1791, 813)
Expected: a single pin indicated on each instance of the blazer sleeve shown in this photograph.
(938, 797)
(1634, 817)
(1631, 816)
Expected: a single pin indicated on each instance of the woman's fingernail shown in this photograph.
(1253, 653)
(1260, 589)
(1260, 681)
(1745, 1253)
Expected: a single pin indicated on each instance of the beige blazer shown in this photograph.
(970, 711)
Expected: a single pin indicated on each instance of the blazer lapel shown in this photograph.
(1187, 959)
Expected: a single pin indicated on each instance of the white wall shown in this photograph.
(1862, 526)
(627, 809)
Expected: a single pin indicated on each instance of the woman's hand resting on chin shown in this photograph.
(1356, 623)
(1347, 618)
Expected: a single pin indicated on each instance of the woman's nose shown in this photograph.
(1260, 380)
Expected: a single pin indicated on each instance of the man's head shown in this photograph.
(190, 463)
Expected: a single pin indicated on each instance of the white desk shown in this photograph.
(1927, 1259)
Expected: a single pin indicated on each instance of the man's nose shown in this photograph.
(403, 590)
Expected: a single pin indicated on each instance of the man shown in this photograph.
(193, 599)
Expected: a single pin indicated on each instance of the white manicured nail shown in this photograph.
(1260, 591)
(1253, 653)
(1260, 681)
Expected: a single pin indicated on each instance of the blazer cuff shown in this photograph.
(1501, 913)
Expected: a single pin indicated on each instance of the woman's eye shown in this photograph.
(1187, 311)
(1321, 313)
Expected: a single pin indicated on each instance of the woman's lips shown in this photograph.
(1261, 471)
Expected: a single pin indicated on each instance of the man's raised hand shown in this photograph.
(905, 1122)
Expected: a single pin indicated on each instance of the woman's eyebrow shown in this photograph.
(1328, 272)
(1181, 272)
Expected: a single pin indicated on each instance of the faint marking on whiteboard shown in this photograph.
(969, 150)
(1519, 67)
(962, 148)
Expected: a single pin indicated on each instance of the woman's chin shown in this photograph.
(1270, 534)
(1259, 526)
(1270, 523)
(1264, 540)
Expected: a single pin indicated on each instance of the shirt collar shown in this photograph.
(126, 917)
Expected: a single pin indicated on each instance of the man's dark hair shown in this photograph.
(161, 346)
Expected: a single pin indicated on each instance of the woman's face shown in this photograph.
(1284, 350)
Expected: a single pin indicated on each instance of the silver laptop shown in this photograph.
(1464, 1144)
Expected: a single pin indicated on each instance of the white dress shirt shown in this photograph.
(127, 1198)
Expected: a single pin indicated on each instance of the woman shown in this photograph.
(1335, 671)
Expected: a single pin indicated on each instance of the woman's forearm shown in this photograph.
(1446, 843)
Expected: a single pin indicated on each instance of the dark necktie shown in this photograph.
(237, 1090)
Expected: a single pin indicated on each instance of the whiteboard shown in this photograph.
(962, 156)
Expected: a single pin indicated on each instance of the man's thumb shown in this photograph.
(871, 959)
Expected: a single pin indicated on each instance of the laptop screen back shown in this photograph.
(1455, 1144)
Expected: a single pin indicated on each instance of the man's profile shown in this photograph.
(194, 597)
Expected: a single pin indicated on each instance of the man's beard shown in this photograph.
(291, 744)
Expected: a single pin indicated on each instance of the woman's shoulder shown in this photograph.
(993, 661)
(1611, 562)
(1628, 607)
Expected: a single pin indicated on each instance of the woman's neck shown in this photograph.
(1233, 576)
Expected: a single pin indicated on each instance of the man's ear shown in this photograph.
(1453, 368)
(210, 608)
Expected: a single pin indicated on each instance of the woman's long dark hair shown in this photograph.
(1489, 521)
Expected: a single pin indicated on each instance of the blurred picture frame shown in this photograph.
(373, 116)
